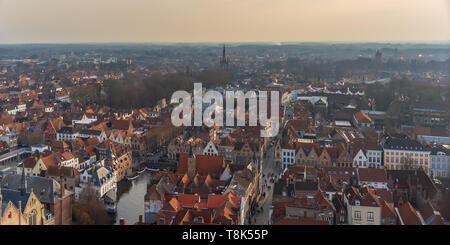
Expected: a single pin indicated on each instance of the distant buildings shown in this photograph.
(403, 154)
(440, 163)
(430, 116)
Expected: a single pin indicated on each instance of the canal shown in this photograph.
(130, 194)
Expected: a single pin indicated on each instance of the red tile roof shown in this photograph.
(209, 165)
(387, 210)
(182, 164)
(372, 174)
(408, 214)
(188, 200)
(214, 201)
(303, 221)
(362, 117)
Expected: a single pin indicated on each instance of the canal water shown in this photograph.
(130, 194)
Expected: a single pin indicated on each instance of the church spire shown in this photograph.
(224, 61)
(223, 52)
(23, 186)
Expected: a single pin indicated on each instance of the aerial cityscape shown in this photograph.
(137, 131)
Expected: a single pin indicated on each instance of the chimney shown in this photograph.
(20, 212)
(140, 218)
(304, 174)
(122, 221)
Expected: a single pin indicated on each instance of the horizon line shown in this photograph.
(236, 42)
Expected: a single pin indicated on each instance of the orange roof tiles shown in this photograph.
(49, 160)
(387, 210)
(408, 214)
(182, 163)
(214, 201)
(209, 165)
(362, 117)
(372, 174)
(188, 200)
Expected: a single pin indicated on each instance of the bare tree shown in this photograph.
(89, 208)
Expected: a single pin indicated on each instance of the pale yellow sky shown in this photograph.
(32, 21)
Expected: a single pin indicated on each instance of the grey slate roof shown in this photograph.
(14, 196)
(306, 186)
(46, 189)
(434, 151)
(100, 174)
(91, 132)
(68, 130)
(403, 144)
(279, 185)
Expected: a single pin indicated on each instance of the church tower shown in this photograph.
(224, 60)
(191, 168)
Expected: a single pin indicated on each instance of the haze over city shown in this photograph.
(220, 114)
(55, 21)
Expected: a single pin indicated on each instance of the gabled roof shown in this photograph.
(362, 117)
(364, 195)
(49, 160)
(47, 190)
(59, 144)
(152, 194)
(387, 210)
(182, 163)
(209, 165)
(28, 163)
(15, 197)
(58, 171)
(188, 200)
(385, 195)
(372, 175)
(186, 181)
(214, 201)
(430, 215)
(408, 215)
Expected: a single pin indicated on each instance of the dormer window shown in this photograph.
(198, 219)
(357, 203)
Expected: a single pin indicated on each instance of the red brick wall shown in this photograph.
(66, 209)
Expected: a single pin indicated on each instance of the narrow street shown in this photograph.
(263, 217)
(270, 170)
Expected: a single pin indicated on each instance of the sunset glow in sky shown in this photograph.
(33, 21)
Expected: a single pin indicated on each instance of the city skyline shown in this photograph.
(201, 21)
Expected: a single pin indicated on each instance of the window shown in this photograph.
(32, 219)
(357, 215)
(370, 216)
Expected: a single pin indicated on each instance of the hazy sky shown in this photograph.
(31, 21)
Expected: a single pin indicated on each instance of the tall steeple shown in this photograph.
(224, 61)
(223, 53)
(23, 186)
